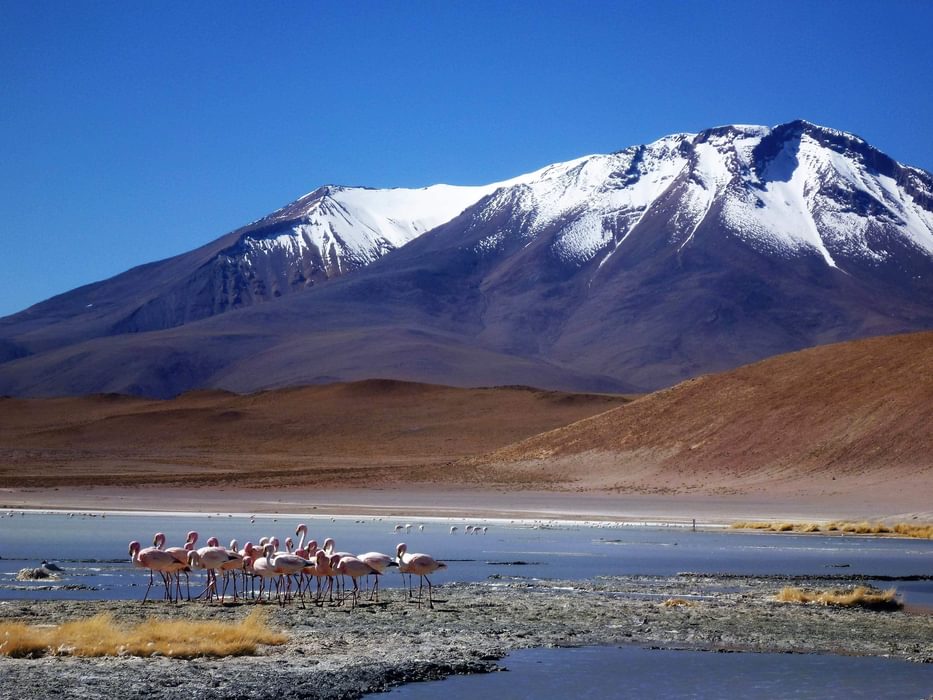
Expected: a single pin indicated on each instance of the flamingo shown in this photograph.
(420, 565)
(378, 562)
(322, 567)
(211, 558)
(305, 551)
(229, 568)
(262, 567)
(154, 560)
(287, 565)
(354, 568)
(329, 548)
(181, 556)
(302, 530)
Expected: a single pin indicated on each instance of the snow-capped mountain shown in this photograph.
(792, 190)
(634, 269)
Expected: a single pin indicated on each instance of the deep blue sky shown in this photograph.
(131, 132)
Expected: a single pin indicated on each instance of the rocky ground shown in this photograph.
(339, 652)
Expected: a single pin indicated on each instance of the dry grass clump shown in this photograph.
(101, 636)
(860, 596)
(775, 527)
(862, 528)
(677, 602)
(920, 530)
(751, 525)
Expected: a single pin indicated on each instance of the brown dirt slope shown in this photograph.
(850, 416)
(368, 431)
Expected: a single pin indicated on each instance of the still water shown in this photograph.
(93, 550)
(634, 672)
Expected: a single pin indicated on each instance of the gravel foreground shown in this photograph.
(336, 652)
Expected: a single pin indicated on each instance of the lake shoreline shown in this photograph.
(427, 501)
(342, 652)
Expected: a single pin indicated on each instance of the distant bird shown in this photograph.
(48, 566)
(418, 565)
(453, 529)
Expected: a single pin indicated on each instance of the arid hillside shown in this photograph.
(362, 433)
(829, 420)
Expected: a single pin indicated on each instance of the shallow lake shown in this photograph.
(634, 672)
(93, 550)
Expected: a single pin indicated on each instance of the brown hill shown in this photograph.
(361, 433)
(829, 420)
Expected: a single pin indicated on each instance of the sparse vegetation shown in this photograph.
(677, 602)
(100, 635)
(860, 596)
(918, 530)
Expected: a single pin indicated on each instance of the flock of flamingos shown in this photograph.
(290, 571)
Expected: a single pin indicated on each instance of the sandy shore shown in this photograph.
(336, 652)
(432, 501)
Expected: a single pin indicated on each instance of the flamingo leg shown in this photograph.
(430, 592)
(167, 582)
(148, 587)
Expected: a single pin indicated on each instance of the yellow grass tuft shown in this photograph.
(751, 525)
(101, 636)
(919, 530)
(677, 602)
(860, 596)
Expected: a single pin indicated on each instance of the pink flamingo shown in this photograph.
(263, 568)
(378, 562)
(302, 530)
(181, 556)
(420, 565)
(154, 560)
(288, 565)
(230, 568)
(354, 568)
(211, 558)
(323, 568)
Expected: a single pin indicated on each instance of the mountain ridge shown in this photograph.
(621, 272)
(834, 417)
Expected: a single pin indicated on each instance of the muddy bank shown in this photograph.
(336, 652)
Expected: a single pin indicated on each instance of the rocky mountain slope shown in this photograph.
(627, 271)
(833, 418)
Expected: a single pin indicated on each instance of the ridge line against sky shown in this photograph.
(134, 132)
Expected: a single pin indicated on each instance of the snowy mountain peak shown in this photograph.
(636, 269)
(791, 190)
